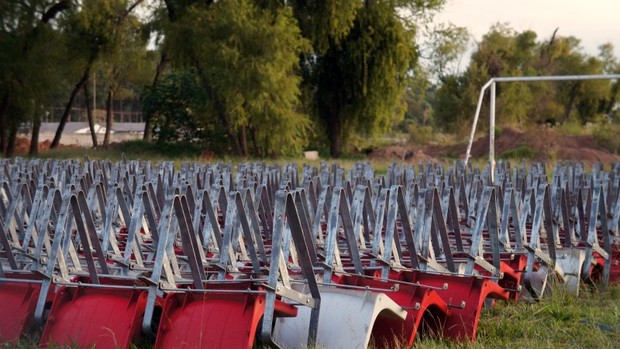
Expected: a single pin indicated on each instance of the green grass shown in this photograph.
(522, 152)
(136, 149)
(606, 136)
(140, 150)
(573, 127)
(562, 321)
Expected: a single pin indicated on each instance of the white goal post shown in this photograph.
(492, 85)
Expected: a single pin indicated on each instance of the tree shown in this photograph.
(158, 22)
(505, 52)
(29, 48)
(501, 52)
(611, 65)
(178, 108)
(417, 97)
(362, 56)
(446, 44)
(582, 97)
(246, 58)
(93, 30)
(123, 64)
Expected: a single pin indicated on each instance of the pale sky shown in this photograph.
(595, 22)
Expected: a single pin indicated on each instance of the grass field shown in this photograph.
(591, 320)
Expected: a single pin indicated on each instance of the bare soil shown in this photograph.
(544, 143)
(22, 145)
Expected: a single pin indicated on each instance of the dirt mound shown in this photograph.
(540, 144)
(402, 153)
(22, 145)
(545, 144)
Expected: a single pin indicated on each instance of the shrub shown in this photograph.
(177, 108)
(572, 127)
(157, 150)
(606, 136)
(519, 153)
(420, 135)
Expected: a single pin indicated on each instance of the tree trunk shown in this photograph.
(335, 137)
(89, 114)
(7, 139)
(256, 151)
(148, 132)
(161, 67)
(69, 106)
(4, 115)
(571, 102)
(243, 141)
(108, 118)
(34, 139)
(10, 148)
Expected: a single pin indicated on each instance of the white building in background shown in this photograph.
(78, 133)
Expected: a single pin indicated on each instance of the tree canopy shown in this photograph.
(30, 62)
(246, 58)
(506, 52)
(270, 77)
(362, 58)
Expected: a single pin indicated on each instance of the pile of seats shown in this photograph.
(221, 256)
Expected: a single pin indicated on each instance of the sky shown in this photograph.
(595, 22)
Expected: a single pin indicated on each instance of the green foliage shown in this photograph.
(124, 60)
(314, 73)
(100, 28)
(497, 131)
(325, 23)
(606, 136)
(417, 97)
(522, 152)
(247, 57)
(572, 127)
(94, 28)
(358, 83)
(448, 111)
(447, 43)
(377, 49)
(147, 150)
(176, 106)
(505, 52)
(419, 135)
(30, 57)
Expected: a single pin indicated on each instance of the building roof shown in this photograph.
(72, 127)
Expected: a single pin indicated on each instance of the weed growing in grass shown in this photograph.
(522, 152)
(559, 321)
(572, 127)
(136, 149)
(591, 320)
(606, 136)
(175, 150)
